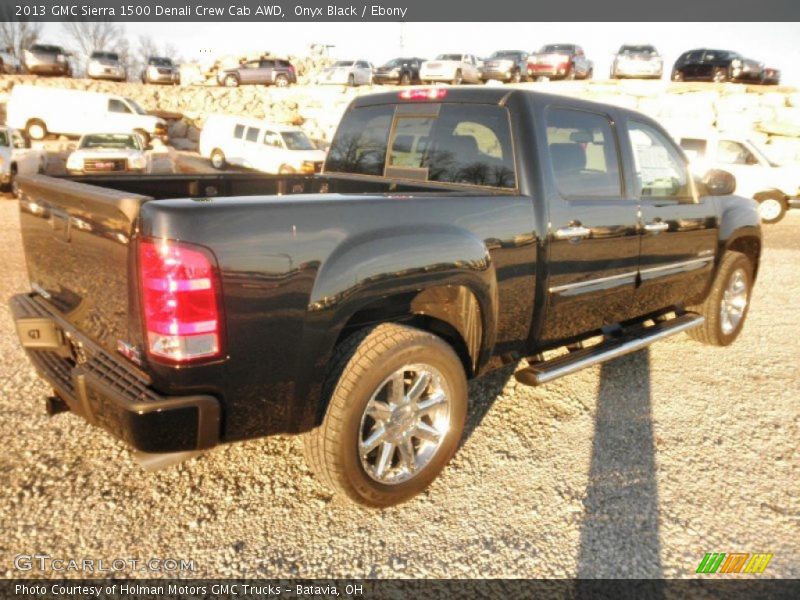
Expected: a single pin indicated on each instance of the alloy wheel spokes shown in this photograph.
(404, 423)
(734, 302)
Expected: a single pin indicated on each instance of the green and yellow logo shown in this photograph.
(735, 562)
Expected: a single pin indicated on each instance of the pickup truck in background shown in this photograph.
(775, 187)
(451, 231)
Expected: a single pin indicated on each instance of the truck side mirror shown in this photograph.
(717, 182)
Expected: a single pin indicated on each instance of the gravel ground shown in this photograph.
(633, 469)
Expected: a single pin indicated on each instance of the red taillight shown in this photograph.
(423, 94)
(179, 301)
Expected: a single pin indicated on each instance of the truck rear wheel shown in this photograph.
(726, 306)
(771, 209)
(218, 158)
(398, 401)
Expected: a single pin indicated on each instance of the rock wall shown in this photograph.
(769, 114)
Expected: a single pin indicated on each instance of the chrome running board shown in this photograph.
(546, 371)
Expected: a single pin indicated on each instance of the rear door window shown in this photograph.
(583, 154)
(238, 132)
(252, 134)
(466, 144)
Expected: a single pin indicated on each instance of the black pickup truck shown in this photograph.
(451, 231)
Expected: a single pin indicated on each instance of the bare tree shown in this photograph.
(18, 35)
(90, 36)
(149, 47)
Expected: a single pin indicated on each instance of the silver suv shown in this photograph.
(266, 71)
(45, 59)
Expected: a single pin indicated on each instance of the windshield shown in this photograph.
(136, 108)
(120, 141)
(343, 63)
(392, 63)
(505, 54)
(756, 149)
(105, 56)
(45, 48)
(638, 50)
(296, 140)
(160, 62)
(449, 57)
(556, 48)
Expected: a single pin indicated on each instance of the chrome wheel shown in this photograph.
(734, 302)
(769, 209)
(404, 424)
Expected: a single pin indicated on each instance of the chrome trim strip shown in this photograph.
(678, 265)
(571, 286)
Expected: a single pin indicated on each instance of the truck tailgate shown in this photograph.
(77, 244)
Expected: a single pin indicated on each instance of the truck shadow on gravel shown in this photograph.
(620, 533)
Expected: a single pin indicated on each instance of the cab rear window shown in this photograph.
(467, 144)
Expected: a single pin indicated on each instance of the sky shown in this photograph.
(773, 43)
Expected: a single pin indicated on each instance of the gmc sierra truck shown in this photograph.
(451, 231)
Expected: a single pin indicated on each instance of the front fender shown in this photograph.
(738, 218)
(393, 262)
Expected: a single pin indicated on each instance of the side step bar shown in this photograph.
(546, 371)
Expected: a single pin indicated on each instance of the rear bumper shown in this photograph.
(502, 75)
(106, 391)
(48, 68)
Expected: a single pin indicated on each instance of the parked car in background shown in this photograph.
(42, 110)
(160, 69)
(560, 61)
(510, 66)
(9, 63)
(17, 158)
(716, 65)
(776, 188)
(257, 144)
(451, 68)
(771, 76)
(106, 65)
(265, 71)
(108, 153)
(637, 61)
(46, 59)
(347, 72)
(402, 71)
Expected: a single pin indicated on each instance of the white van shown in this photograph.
(256, 144)
(39, 110)
(775, 187)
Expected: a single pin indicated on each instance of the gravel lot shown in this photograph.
(633, 469)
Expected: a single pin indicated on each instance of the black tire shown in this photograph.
(677, 76)
(712, 332)
(589, 74)
(360, 367)
(217, 159)
(231, 81)
(459, 78)
(720, 76)
(13, 186)
(144, 135)
(281, 81)
(771, 208)
(36, 129)
(405, 79)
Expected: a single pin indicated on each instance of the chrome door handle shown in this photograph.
(573, 232)
(656, 226)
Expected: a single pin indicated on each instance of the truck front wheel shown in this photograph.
(398, 401)
(726, 306)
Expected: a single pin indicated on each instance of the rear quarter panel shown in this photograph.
(294, 272)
